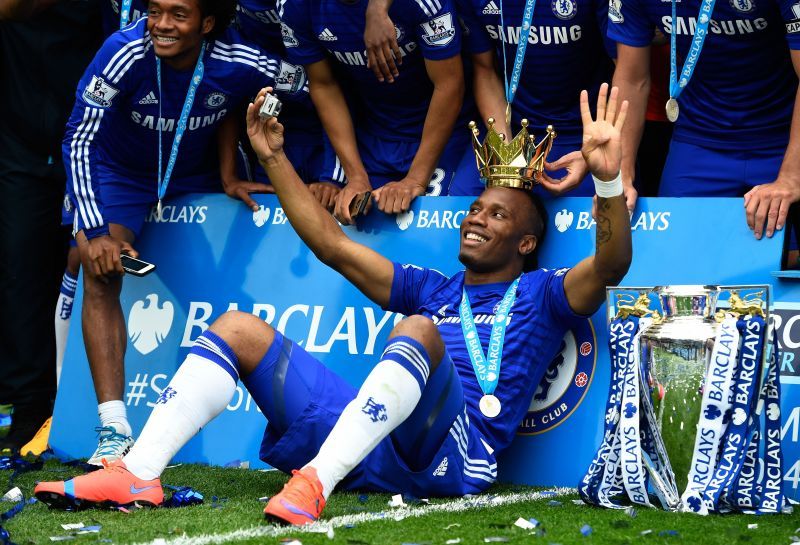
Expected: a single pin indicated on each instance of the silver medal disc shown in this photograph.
(159, 209)
(673, 111)
(490, 406)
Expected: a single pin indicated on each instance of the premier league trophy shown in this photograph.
(693, 412)
(518, 163)
(677, 350)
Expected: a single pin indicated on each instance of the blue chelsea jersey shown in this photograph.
(566, 53)
(426, 29)
(260, 23)
(115, 123)
(537, 322)
(743, 88)
(111, 16)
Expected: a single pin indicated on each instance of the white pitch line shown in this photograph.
(454, 506)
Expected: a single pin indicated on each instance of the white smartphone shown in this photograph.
(136, 267)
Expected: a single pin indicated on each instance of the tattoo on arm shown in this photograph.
(603, 224)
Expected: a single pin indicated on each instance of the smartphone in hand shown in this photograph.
(136, 267)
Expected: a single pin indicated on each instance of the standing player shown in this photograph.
(424, 392)
(735, 133)
(145, 127)
(376, 141)
(565, 52)
(259, 23)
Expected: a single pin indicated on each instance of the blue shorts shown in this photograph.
(389, 160)
(127, 201)
(697, 171)
(472, 185)
(302, 400)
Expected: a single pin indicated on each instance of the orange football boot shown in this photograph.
(301, 500)
(113, 485)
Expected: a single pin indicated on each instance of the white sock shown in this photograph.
(114, 414)
(199, 391)
(66, 296)
(388, 396)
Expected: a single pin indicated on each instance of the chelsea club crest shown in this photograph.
(564, 9)
(743, 6)
(565, 382)
(215, 100)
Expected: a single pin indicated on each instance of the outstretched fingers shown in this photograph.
(586, 115)
(602, 100)
(623, 113)
(611, 108)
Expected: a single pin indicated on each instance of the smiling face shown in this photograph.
(497, 234)
(177, 28)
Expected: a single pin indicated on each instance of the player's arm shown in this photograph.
(335, 116)
(228, 149)
(489, 94)
(19, 10)
(632, 78)
(369, 271)
(380, 38)
(585, 284)
(767, 205)
(447, 76)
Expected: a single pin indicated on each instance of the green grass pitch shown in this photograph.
(236, 517)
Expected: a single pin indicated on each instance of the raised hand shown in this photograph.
(602, 144)
(266, 135)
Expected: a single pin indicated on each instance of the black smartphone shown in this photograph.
(136, 267)
(359, 204)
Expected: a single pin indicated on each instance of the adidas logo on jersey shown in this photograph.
(442, 469)
(491, 9)
(149, 99)
(327, 36)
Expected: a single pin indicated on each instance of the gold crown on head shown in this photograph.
(516, 164)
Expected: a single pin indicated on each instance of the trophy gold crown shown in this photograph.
(518, 163)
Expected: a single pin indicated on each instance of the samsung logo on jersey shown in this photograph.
(168, 124)
(359, 58)
(544, 35)
(177, 214)
(686, 25)
(267, 17)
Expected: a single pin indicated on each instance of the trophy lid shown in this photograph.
(688, 314)
(688, 300)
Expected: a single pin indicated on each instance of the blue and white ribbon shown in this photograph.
(125, 13)
(197, 77)
(487, 365)
(676, 86)
(522, 44)
(715, 403)
(621, 333)
(752, 332)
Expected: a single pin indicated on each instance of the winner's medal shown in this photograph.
(490, 406)
(673, 110)
(197, 77)
(487, 364)
(676, 86)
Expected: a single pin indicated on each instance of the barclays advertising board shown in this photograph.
(213, 255)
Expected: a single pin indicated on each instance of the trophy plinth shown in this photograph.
(676, 353)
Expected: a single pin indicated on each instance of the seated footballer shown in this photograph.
(435, 394)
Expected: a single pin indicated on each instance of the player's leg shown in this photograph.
(200, 390)
(105, 340)
(387, 397)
